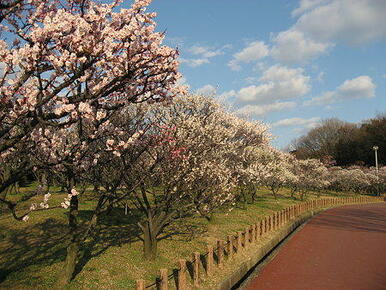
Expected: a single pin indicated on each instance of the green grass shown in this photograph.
(32, 253)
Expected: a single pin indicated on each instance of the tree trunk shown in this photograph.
(70, 263)
(149, 241)
(73, 247)
(274, 191)
(293, 193)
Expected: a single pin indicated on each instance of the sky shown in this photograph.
(287, 63)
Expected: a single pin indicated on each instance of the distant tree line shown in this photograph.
(344, 143)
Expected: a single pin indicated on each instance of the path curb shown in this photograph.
(258, 254)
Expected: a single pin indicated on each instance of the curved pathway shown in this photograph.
(341, 248)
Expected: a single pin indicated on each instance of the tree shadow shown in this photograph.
(115, 229)
(183, 231)
(45, 243)
(42, 244)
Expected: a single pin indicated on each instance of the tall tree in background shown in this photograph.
(321, 141)
(346, 143)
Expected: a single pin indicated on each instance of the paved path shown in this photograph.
(342, 248)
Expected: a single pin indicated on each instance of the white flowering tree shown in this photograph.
(187, 150)
(311, 175)
(68, 68)
(354, 179)
(274, 169)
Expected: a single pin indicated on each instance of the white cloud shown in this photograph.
(261, 110)
(175, 41)
(352, 21)
(194, 62)
(277, 83)
(292, 46)
(357, 88)
(297, 122)
(226, 96)
(323, 23)
(306, 5)
(253, 52)
(320, 76)
(207, 90)
(204, 51)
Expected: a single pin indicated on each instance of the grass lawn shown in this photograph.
(32, 253)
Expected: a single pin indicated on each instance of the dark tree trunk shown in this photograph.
(274, 191)
(70, 263)
(293, 192)
(253, 194)
(73, 247)
(149, 241)
(202, 213)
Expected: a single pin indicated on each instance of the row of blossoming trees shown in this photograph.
(89, 97)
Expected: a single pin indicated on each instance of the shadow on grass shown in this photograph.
(41, 244)
(44, 244)
(25, 251)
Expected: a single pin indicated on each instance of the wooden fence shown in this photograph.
(190, 273)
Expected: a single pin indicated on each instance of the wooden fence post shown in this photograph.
(264, 226)
(269, 223)
(274, 221)
(140, 284)
(258, 231)
(196, 269)
(288, 213)
(163, 283)
(181, 283)
(246, 237)
(209, 261)
(279, 219)
(239, 241)
(253, 233)
(220, 253)
(230, 246)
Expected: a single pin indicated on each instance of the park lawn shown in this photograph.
(32, 253)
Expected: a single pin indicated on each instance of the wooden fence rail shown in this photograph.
(239, 242)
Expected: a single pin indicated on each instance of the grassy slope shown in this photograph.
(32, 253)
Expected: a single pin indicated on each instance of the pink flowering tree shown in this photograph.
(68, 67)
(184, 165)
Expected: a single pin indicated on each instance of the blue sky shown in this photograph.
(288, 63)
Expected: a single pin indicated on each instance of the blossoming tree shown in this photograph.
(185, 163)
(68, 68)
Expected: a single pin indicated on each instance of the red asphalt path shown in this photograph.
(342, 248)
